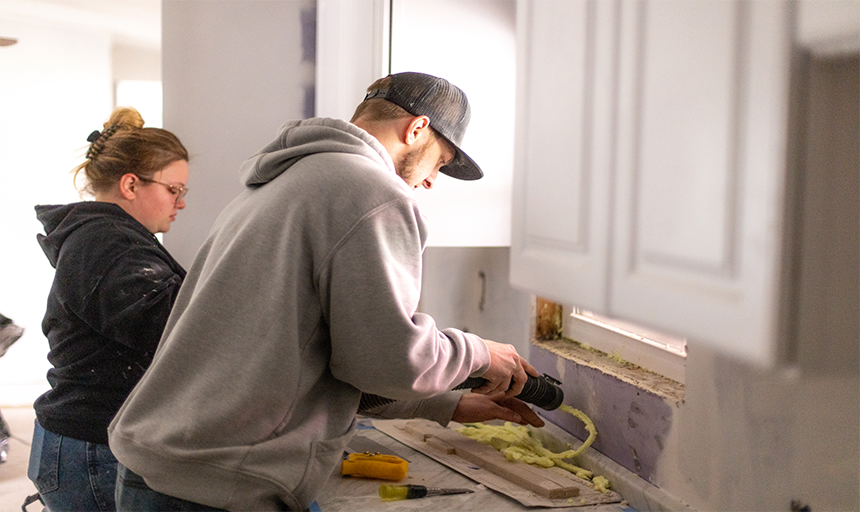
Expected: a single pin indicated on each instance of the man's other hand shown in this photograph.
(474, 408)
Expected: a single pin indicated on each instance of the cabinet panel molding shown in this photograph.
(678, 139)
(560, 174)
(562, 160)
(703, 109)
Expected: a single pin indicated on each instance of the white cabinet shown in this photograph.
(471, 43)
(562, 157)
(828, 27)
(650, 163)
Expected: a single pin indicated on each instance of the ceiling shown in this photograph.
(131, 22)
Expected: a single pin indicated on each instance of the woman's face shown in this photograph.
(158, 203)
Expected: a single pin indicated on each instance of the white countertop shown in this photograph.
(349, 494)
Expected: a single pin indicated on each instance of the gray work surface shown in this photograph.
(350, 494)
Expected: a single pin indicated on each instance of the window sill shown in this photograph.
(646, 352)
(649, 381)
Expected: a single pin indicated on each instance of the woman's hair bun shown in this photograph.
(125, 117)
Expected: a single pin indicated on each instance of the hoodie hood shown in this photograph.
(298, 139)
(60, 221)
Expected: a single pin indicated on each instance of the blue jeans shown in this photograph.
(133, 495)
(71, 474)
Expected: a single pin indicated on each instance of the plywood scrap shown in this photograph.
(441, 445)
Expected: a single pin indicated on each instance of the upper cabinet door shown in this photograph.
(566, 60)
(701, 161)
(661, 203)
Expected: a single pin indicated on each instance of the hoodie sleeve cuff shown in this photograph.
(439, 408)
(482, 354)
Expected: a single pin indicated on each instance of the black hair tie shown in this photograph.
(94, 136)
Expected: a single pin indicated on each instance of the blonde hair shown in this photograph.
(123, 147)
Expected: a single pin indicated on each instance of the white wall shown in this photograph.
(469, 288)
(747, 439)
(56, 86)
(55, 89)
(233, 72)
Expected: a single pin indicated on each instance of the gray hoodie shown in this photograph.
(303, 296)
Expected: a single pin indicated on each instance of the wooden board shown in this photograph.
(531, 486)
(487, 457)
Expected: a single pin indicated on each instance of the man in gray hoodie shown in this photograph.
(302, 298)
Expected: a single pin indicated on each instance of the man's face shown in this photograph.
(421, 165)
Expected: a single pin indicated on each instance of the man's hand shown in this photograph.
(473, 408)
(507, 372)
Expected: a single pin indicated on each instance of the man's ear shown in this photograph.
(128, 184)
(416, 128)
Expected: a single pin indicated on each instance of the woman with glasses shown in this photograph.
(113, 289)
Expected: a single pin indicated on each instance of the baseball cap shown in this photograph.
(446, 106)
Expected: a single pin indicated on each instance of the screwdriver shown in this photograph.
(390, 492)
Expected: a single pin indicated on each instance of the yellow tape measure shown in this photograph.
(374, 465)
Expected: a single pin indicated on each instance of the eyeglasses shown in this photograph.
(179, 192)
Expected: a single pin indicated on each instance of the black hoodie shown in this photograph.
(113, 289)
